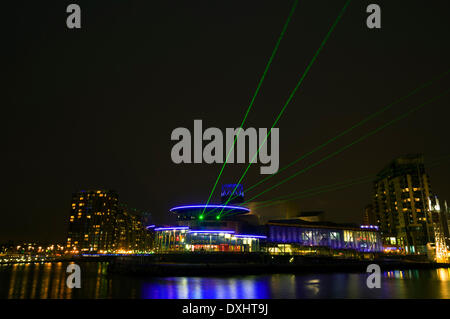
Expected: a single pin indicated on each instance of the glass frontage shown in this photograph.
(361, 240)
(185, 240)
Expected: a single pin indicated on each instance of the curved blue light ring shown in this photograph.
(211, 206)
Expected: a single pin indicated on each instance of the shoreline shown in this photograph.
(160, 265)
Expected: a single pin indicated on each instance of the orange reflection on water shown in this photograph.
(443, 274)
(48, 280)
(12, 281)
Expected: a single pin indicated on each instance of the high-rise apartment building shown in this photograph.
(401, 204)
(131, 234)
(99, 224)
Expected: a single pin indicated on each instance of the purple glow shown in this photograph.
(251, 236)
(151, 226)
(369, 226)
(172, 228)
(212, 206)
(211, 231)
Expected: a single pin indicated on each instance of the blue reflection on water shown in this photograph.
(248, 287)
(47, 280)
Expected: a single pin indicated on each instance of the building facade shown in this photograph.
(400, 204)
(234, 228)
(299, 236)
(213, 228)
(184, 239)
(99, 224)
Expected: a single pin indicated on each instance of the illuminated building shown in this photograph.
(400, 204)
(297, 235)
(225, 227)
(445, 220)
(184, 239)
(99, 224)
(209, 228)
(233, 228)
(131, 236)
(440, 228)
(229, 217)
(32, 248)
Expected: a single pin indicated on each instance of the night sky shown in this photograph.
(95, 107)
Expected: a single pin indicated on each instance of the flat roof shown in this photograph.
(304, 223)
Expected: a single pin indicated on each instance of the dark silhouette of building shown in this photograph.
(369, 217)
(233, 193)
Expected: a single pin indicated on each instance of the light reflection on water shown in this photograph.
(48, 280)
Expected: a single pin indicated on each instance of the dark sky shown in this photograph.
(95, 108)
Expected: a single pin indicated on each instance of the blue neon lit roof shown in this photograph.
(240, 208)
(207, 231)
(250, 236)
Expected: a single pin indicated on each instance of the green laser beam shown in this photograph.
(363, 121)
(310, 193)
(316, 193)
(349, 145)
(291, 96)
(373, 115)
(317, 188)
(283, 31)
(354, 181)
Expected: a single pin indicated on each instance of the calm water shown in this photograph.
(47, 280)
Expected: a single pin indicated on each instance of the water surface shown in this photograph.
(48, 280)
